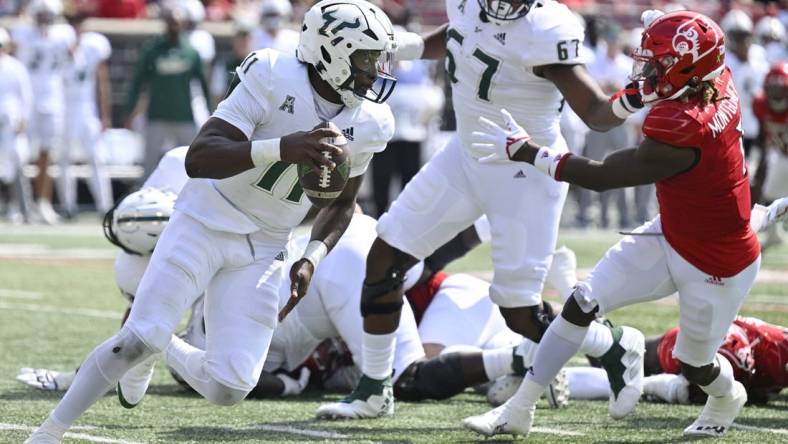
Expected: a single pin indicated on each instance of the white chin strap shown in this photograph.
(349, 98)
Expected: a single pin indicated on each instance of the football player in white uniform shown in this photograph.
(134, 226)
(523, 54)
(16, 104)
(235, 216)
(44, 49)
(86, 74)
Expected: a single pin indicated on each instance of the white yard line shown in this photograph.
(296, 431)
(556, 431)
(736, 425)
(19, 294)
(103, 314)
(84, 436)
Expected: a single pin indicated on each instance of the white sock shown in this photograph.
(598, 340)
(587, 383)
(377, 355)
(188, 361)
(723, 383)
(660, 387)
(560, 342)
(497, 362)
(51, 426)
(100, 371)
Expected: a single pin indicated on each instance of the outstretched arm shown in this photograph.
(650, 162)
(586, 97)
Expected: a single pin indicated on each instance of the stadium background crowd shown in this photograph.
(149, 110)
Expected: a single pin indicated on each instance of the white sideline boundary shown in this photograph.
(296, 431)
(92, 438)
(102, 314)
(736, 425)
(20, 294)
(550, 431)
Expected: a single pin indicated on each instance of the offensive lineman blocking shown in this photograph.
(234, 217)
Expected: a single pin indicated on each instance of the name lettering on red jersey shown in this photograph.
(726, 111)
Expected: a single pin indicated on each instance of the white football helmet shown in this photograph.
(770, 29)
(332, 31)
(137, 221)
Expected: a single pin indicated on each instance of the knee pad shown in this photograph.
(120, 353)
(220, 394)
(437, 378)
(371, 292)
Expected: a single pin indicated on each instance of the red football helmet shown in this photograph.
(677, 48)
(776, 87)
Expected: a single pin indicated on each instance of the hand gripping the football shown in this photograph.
(496, 143)
(308, 147)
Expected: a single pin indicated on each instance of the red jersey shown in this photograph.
(757, 351)
(705, 211)
(774, 125)
(420, 296)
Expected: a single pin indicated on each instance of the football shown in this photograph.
(323, 188)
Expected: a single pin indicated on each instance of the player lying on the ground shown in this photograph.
(249, 167)
(133, 225)
(519, 53)
(701, 245)
(756, 350)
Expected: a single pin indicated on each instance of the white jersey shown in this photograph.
(16, 99)
(491, 67)
(170, 175)
(273, 99)
(80, 73)
(45, 56)
(202, 41)
(330, 307)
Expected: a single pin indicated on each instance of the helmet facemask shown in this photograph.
(350, 44)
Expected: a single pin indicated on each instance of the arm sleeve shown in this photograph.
(242, 110)
(673, 126)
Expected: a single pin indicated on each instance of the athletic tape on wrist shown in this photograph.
(550, 161)
(410, 46)
(265, 151)
(622, 109)
(315, 252)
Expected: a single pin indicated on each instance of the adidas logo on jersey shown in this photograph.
(461, 6)
(348, 133)
(501, 37)
(282, 256)
(520, 175)
(288, 105)
(715, 280)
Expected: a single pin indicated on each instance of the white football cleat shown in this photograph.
(505, 419)
(45, 379)
(624, 366)
(557, 393)
(133, 385)
(503, 388)
(372, 398)
(718, 413)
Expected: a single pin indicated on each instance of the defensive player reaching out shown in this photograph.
(532, 71)
(701, 244)
(234, 217)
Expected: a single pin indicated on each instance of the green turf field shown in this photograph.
(58, 300)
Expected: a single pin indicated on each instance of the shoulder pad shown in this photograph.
(377, 125)
(556, 36)
(256, 72)
(98, 43)
(671, 122)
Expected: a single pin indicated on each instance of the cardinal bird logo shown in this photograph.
(687, 39)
